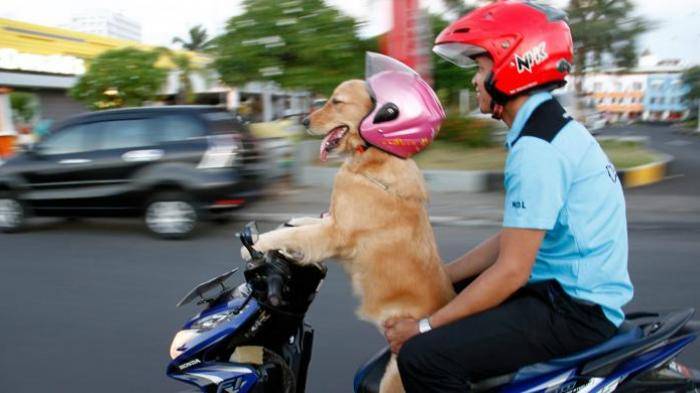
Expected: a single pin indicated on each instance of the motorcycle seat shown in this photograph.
(639, 332)
(627, 334)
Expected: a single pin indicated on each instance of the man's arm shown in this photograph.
(475, 260)
(518, 249)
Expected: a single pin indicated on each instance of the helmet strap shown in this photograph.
(498, 98)
(497, 110)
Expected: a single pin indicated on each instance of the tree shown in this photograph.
(301, 44)
(185, 68)
(449, 79)
(604, 28)
(691, 77)
(120, 77)
(197, 40)
(23, 106)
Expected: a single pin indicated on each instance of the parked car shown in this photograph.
(173, 165)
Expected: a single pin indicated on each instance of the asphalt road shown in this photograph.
(89, 305)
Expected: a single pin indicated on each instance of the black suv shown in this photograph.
(174, 165)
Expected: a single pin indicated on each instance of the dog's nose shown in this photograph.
(306, 122)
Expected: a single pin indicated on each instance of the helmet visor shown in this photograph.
(376, 63)
(462, 55)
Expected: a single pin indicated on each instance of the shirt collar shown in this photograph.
(524, 114)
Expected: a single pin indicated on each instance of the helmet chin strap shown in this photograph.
(496, 110)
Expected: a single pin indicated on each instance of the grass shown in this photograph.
(443, 156)
(440, 155)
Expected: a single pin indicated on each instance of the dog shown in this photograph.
(377, 227)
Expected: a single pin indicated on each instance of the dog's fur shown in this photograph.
(378, 226)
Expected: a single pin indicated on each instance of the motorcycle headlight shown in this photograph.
(180, 341)
(213, 320)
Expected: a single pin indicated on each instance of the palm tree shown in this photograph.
(185, 67)
(197, 40)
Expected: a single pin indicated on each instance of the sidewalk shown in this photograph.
(645, 210)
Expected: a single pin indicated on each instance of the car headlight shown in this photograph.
(213, 320)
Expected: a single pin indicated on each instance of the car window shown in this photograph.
(124, 134)
(222, 122)
(72, 139)
(173, 128)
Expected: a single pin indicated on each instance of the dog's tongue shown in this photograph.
(323, 152)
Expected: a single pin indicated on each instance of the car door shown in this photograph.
(125, 145)
(57, 170)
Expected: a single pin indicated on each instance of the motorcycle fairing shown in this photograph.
(208, 338)
(217, 377)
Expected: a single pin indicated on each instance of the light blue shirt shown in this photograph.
(569, 188)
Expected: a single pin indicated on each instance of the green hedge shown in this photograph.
(466, 131)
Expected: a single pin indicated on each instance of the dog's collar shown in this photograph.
(362, 148)
(386, 188)
(378, 182)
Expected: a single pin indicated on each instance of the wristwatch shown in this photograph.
(424, 325)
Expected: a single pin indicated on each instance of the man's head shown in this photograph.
(519, 46)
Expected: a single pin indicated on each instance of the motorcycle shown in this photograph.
(253, 339)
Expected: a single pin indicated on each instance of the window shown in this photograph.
(124, 134)
(74, 139)
(637, 85)
(662, 101)
(173, 128)
(652, 101)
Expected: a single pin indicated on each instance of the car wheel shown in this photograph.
(171, 215)
(12, 214)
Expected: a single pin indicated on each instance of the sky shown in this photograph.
(676, 35)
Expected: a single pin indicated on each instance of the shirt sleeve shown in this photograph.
(536, 185)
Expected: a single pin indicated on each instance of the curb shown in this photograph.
(438, 221)
(469, 181)
(647, 174)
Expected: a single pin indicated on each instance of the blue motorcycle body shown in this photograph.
(253, 339)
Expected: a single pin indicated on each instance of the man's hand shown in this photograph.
(398, 331)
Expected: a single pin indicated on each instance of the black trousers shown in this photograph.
(537, 323)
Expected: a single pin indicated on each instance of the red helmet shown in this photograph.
(529, 43)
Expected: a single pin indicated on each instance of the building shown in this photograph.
(47, 62)
(105, 23)
(619, 96)
(665, 96)
(654, 91)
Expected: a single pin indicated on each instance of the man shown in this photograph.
(552, 282)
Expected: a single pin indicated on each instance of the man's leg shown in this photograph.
(526, 329)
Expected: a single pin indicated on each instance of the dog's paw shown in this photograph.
(301, 221)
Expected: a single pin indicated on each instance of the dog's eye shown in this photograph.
(336, 101)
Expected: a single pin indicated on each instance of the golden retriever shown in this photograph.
(377, 227)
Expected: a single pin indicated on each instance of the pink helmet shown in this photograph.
(407, 114)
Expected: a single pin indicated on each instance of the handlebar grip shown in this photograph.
(274, 290)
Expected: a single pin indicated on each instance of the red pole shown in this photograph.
(406, 40)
